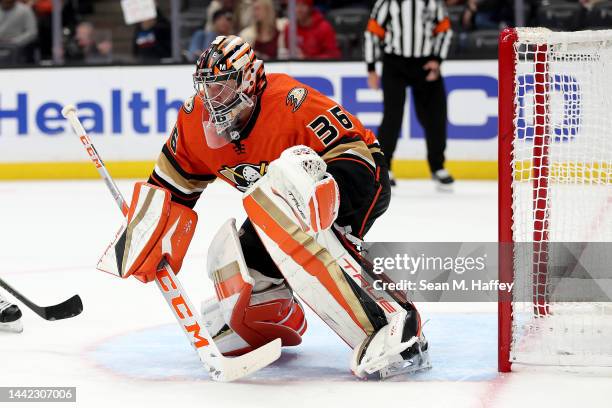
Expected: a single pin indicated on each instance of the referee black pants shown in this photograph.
(429, 102)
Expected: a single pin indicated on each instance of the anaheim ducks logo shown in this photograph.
(296, 97)
(189, 103)
(244, 175)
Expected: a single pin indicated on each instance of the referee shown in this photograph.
(413, 37)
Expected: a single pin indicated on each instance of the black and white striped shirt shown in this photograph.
(407, 28)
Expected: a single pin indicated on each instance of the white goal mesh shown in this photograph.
(562, 192)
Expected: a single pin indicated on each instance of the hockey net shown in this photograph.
(555, 174)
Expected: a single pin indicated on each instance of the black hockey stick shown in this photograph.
(65, 310)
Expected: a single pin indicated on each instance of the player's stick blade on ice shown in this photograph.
(231, 369)
(65, 310)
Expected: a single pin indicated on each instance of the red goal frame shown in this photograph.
(539, 168)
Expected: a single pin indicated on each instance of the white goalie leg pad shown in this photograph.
(250, 309)
(218, 321)
(381, 354)
(277, 207)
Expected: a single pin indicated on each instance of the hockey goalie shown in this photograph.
(313, 181)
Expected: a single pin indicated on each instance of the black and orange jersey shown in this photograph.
(288, 113)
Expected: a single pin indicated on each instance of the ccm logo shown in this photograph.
(190, 324)
(91, 151)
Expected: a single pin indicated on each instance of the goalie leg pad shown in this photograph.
(270, 314)
(310, 269)
(250, 309)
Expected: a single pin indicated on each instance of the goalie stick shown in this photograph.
(221, 368)
(65, 310)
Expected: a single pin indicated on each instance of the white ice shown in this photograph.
(126, 349)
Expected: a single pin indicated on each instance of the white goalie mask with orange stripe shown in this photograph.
(229, 79)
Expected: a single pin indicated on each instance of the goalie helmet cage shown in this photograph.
(555, 178)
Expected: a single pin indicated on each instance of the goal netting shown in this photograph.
(555, 169)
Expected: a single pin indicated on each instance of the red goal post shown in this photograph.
(555, 178)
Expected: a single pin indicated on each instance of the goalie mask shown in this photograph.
(229, 79)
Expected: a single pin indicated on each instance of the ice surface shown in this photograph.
(125, 349)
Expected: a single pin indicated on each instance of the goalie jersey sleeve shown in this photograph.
(177, 168)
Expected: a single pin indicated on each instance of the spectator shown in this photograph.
(43, 10)
(316, 36)
(152, 39)
(264, 34)
(84, 47)
(18, 29)
(487, 14)
(241, 9)
(222, 23)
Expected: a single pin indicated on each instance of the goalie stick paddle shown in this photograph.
(65, 310)
(221, 368)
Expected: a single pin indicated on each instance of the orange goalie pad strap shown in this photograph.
(228, 281)
(375, 28)
(294, 242)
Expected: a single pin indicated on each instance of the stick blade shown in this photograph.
(65, 310)
(231, 369)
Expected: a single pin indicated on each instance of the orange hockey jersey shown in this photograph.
(288, 113)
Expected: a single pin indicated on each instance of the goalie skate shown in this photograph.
(397, 348)
(10, 317)
(418, 360)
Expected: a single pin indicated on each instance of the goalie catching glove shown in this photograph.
(156, 230)
(299, 177)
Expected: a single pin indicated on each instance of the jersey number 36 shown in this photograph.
(325, 130)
